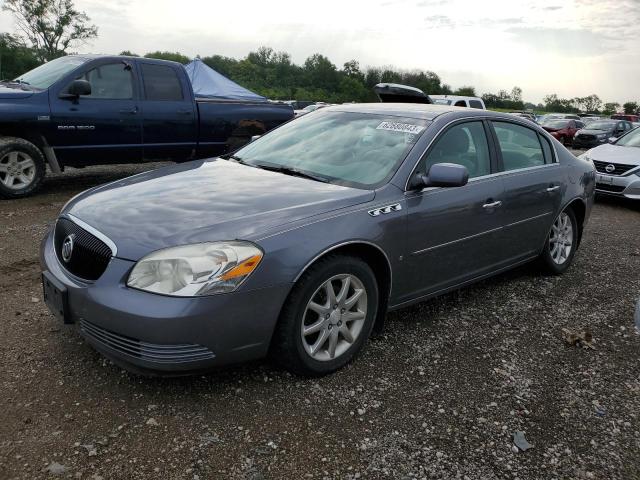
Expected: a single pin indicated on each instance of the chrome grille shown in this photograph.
(150, 352)
(90, 255)
(619, 168)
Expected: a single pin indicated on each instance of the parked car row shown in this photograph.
(618, 165)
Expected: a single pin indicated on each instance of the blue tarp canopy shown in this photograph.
(210, 84)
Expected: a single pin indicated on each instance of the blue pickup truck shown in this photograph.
(84, 110)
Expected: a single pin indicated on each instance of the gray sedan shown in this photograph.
(299, 243)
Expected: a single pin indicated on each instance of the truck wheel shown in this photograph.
(22, 167)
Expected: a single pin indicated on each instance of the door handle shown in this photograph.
(495, 204)
(129, 111)
(553, 189)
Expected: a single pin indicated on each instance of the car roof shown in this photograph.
(96, 56)
(424, 111)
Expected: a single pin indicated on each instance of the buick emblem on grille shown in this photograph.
(67, 247)
(610, 168)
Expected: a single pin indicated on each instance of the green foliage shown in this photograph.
(15, 57)
(128, 53)
(630, 108)
(504, 100)
(466, 91)
(51, 26)
(173, 56)
(610, 108)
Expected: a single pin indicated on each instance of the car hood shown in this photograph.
(615, 154)
(8, 93)
(204, 200)
(587, 131)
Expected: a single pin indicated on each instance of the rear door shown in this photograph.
(533, 183)
(453, 233)
(169, 118)
(103, 127)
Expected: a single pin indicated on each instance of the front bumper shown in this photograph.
(627, 186)
(580, 143)
(151, 333)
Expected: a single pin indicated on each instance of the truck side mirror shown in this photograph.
(77, 89)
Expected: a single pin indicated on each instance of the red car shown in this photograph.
(627, 117)
(563, 129)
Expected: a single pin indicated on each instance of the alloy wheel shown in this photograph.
(334, 317)
(17, 170)
(561, 239)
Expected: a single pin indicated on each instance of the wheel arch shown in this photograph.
(376, 258)
(38, 140)
(579, 208)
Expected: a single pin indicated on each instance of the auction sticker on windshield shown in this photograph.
(400, 127)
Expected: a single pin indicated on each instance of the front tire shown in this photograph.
(328, 316)
(561, 244)
(22, 168)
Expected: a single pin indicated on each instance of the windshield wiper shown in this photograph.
(294, 172)
(235, 158)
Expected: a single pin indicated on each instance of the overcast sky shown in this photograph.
(569, 47)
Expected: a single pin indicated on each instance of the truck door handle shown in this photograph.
(495, 204)
(553, 189)
(129, 111)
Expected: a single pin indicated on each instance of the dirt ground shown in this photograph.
(438, 396)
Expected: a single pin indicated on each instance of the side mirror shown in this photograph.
(77, 89)
(442, 175)
(612, 139)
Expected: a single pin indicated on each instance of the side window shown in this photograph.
(519, 145)
(463, 144)
(111, 81)
(161, 83)
(546, 148)
(475, 104)
(460, 103)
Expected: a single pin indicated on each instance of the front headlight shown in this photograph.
(195, 270)
(585, 156)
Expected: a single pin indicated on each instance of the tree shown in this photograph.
(173, 56)
(516, 94)
(630, 108)
(466, 91)
(591, 103)
(128, 53)
(15, 57)
(51, 26)
(610, 108)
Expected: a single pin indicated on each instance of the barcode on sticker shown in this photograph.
(400, 127)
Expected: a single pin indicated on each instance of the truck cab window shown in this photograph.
(110, 81)
(161, 83)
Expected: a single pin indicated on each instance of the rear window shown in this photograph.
(161, 83)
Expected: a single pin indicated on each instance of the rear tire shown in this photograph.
(22, 168)
(561, 244)
(319, 332)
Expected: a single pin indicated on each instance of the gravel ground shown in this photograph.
(438, 395)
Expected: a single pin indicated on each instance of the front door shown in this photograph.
(103, 127)
(453, 233)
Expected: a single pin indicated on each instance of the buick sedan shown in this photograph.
(298, 244)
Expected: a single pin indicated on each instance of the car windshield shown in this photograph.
(47, 74)
(601, 125)
(632, 139)
(556, 123)
(345, 148)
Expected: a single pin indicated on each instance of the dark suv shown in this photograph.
(597, 133)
